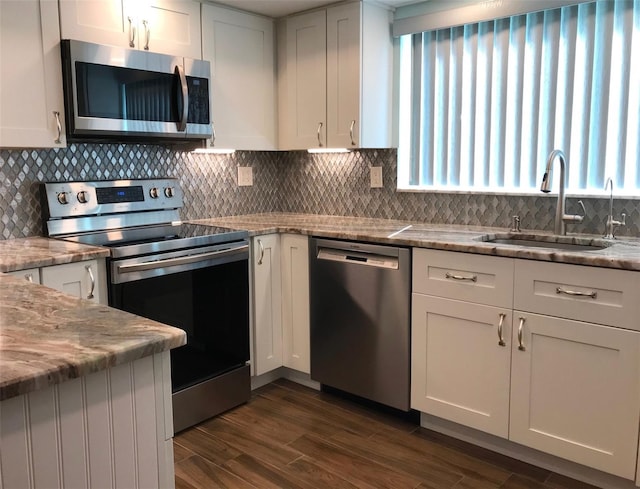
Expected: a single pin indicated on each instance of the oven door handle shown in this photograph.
(182, 260)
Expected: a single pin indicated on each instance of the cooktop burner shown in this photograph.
(154, 239)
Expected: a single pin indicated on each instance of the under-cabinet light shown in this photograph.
(214, 151)
(328, 150)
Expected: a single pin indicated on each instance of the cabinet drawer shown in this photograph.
(462, 276)
(30, 274)
(595, 295)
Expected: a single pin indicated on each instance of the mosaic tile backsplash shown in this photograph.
(283, 181)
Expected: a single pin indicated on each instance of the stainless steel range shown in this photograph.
(189, 276)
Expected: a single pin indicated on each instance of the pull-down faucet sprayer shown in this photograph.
(561, 217)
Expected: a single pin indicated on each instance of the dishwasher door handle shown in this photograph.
(364, 259)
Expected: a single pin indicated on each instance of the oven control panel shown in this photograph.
(76, 199)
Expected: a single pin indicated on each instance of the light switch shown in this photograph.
(245, 176)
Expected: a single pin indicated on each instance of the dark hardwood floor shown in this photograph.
(289, 436)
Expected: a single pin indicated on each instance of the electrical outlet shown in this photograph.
(376, 176)
(245, 176)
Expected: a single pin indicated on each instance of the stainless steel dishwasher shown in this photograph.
(360, 319)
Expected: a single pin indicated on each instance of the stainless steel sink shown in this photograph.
(550, 242)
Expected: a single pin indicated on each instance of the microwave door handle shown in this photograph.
(182, 124)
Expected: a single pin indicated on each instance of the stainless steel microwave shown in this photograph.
(118, 93)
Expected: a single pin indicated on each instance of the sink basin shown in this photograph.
(550, 242)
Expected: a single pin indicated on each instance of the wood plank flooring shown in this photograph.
(289, 436)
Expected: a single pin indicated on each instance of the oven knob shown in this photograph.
(83, 197)
(62, 198)
(153, 192)
(169, 192)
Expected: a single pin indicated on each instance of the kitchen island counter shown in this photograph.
(48, 337)
(623, 253)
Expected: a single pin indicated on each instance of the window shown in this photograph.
(482, 105)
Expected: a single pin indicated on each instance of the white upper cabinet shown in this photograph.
(241, 49)
(161, 26)
(335, 73)
(31, 102)
(302, 75)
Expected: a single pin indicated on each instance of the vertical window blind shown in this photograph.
(482, 105)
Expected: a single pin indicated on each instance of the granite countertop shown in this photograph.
(622, 253)
(47, 337)
(18, 254)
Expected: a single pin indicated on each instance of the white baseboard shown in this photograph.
(284, 373)
(525, 454)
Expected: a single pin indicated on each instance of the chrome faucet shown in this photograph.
(561, 217)
(612, 224)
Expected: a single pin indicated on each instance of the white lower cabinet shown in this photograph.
(86, 279)
(295, 302)
(460, 368)
(267, 311)
(560, 384)
(575, 391)
(280, 267)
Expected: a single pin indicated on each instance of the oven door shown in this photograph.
(205, 293)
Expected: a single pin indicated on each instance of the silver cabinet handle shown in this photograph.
(353, 123)
(261, 252)
(500, 325)
(29, 277)
(57, 140)
(147, 34)
(93, 281)
(520, 328)
(184, 92)
(576, 293)
(319, 135)
(213, 135)
(132, 33)
(472, 278)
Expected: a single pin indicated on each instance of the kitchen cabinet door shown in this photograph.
(267, 303)
(343, 75)
(303, 86)
(335, 85)
(575, 391)
(99, 21)
(459, 365)
(240, 48)
(171, 27)
(295, 302)
(31, 100)
(161, 26)
(86, 279)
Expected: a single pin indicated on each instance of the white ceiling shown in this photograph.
(280, 8)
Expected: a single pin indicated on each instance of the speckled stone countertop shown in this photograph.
(621, 254)
(47, 337)
(18, 254)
